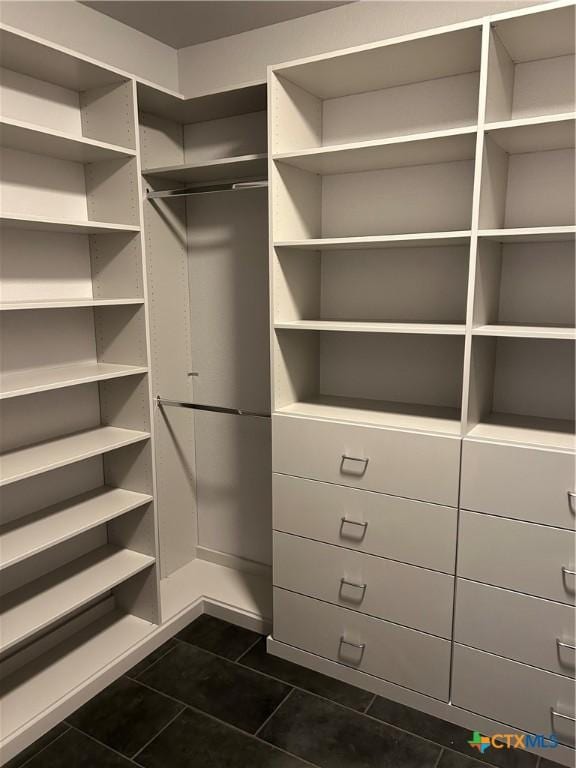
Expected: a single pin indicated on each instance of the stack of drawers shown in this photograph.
(514, 654)
(365, 524)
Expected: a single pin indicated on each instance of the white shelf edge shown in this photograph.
(520, 122)
(345, 243)
(206, 164)
(38, 458)
(525, 331)
(50, 526)
(60, 136)
(31, 382)
(14, 306)
(21, 221)
(542, 433)
(526, 232)
(442, 329)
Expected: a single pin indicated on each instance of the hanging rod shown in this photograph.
(205, 189)
(161, 403)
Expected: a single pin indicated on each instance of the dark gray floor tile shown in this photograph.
(454, 760)
(447, 734)
(39, 744)
(218, 636)
(194, 740)
(342, 693)
(75, 750)
(152, 658)
(125, 715)
(549, 764)
(331, 736)
(216, 686)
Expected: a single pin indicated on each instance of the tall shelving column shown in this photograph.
(78, 542)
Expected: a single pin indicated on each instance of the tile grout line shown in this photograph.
(254, 644)
(101, 744)
(52, 741)
(367, 707)
(439, 758)
(127, 674)
(164, 727)
(271, 715)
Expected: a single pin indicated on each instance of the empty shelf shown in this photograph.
(63, 303)
(372, 327)
(60, 451)
(519, 136)
(243, 167)
(41, 530)
(418, 149)
(377, 242)
(43, 379)
(50, 224)
(35, 606)
(527, 430)
(530, 234)
(27, 137)
(41, 683)
(526, 331)
(420, 418)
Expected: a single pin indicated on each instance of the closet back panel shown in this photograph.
(227, 137)
(544, 87)
(35, 101)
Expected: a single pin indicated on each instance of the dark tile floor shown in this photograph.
(213, 698)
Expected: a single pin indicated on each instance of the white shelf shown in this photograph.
(522, 136)
(37, 605)
(242, 167)
(419, 240)
(27, 137)
(418, 149)
(40, 684)
(61, 451)
(48, 527)
(372, 327)
(526, 331)
(526, 430)
(419, 418)
(530, 234)
(44, 379)
(51, 224)
(62, 303)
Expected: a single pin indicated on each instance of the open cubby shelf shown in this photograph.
(363, 327)
(15, 220)
(243, 167)
(382, 241)
(63, 303)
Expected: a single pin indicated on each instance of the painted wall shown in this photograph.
(242, 59)
(93, 34)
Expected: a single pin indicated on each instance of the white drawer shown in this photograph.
(516, 626)
(413, 532)
(410, 464)
(515, 555)
(404, 594)
(403, 656)
(519, 482)
(513, 693)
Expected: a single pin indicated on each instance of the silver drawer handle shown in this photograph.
(345, 583)
(561, 715)
(572, 501)
(356, 537)
(361, 471)
(567, 571)
(353, 522)
(561, 644)
(357, 646)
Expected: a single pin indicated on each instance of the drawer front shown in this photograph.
(522, 483)
(515, 555)
(516, 626)
(418, 466)
(513, 693)
(389, 526)
(399, 655)
(405, 594)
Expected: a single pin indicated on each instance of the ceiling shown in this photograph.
(188, 22)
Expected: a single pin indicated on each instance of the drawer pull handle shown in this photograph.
(363, 526)
(361, 647)
(572, 501)
(567, 571)
(361, 471)
(562, 716)
(345, 583)
(561, 644)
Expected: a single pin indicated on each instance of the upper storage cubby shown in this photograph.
(385, 90)
(531, 66)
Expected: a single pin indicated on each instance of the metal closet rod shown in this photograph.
(162, 402)
(206, 189)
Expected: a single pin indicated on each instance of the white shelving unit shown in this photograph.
(78, 542)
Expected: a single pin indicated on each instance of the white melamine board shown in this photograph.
(39, 103)
(18, 383)
(27, 536)
(530, 234)
(526, 331)
(422, 149)
(417, 418)
(65, 303)
(41, 683)
(390, 64)
(35, 606)
(16, 220)
(16, 134)
(57, 452)
(383, 241)
(533, 135)
(231, 137)
(161, 141)
(365, 327)
(236, 168)
(51, 64)
(526, 430)
(544, 87)
(541, 35)
(234, 485)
